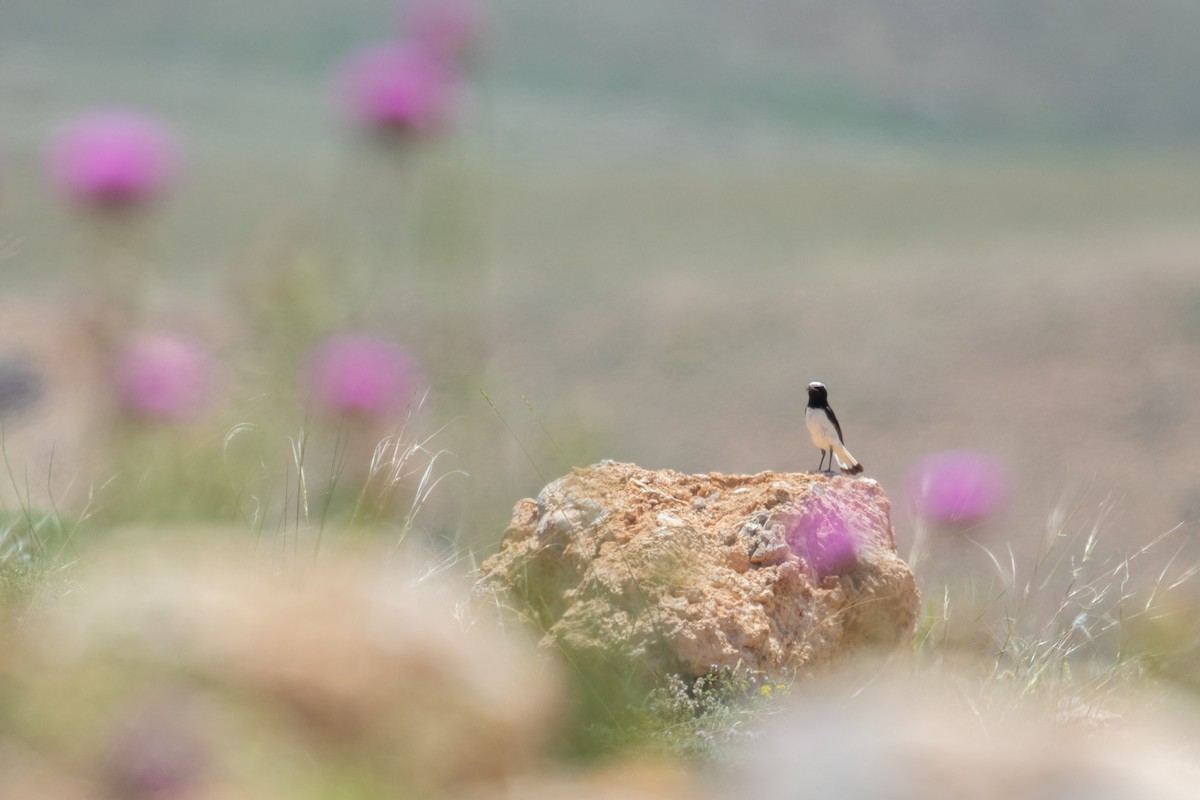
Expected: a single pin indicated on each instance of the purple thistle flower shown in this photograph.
(163, 377)
(361, 375)
(157, 750)
(397, 87)
(956, 487)
(449, 28)
(113, 158)
(822, 535)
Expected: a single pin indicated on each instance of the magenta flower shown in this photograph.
(163, 377)
(449, 28)
(396, 87)
(360, 375)
(113, 158)
(823, 535)
(955, 487)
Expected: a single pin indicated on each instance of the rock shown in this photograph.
(946, 733)
(195, 668)
(635, 780)
(681, 573)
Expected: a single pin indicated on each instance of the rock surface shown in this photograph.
(680, 573)
(196, 669)
(944, 733)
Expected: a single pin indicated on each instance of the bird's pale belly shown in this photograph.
(822, 432)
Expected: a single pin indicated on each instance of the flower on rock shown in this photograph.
(822, 533)
(959, 486)
(399, 87)
(361, 375)
(113, 158)
(164, 377)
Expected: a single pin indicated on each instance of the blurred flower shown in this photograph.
(164, 377)
(113, 158)
(959, 486)
(399, 87)
(822, 535)
(449, 28)
(157, 749)
(361, 375)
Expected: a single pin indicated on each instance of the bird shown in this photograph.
(825, 431)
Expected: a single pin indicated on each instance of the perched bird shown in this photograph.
(826, 432)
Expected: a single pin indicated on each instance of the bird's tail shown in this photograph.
(846, 462)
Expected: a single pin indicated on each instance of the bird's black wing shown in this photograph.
(833, 419)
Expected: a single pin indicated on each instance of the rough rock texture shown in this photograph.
(680, 573)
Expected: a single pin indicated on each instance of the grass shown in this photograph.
(1067, 630)
(710, 719)
(330, 494)
(38, 547)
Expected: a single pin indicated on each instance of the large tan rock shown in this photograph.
(681, 573)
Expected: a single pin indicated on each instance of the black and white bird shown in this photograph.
(826, 432)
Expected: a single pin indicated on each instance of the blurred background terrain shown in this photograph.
(976, 224)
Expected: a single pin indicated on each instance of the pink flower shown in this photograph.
(163, 377)
(158, 748)
(360, 375)
(957, 487)
(113, 158)
(397, 87)
(823, 536)
(449, 28)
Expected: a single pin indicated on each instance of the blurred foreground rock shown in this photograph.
(947, 735)
(205, 675)
(679, 573)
